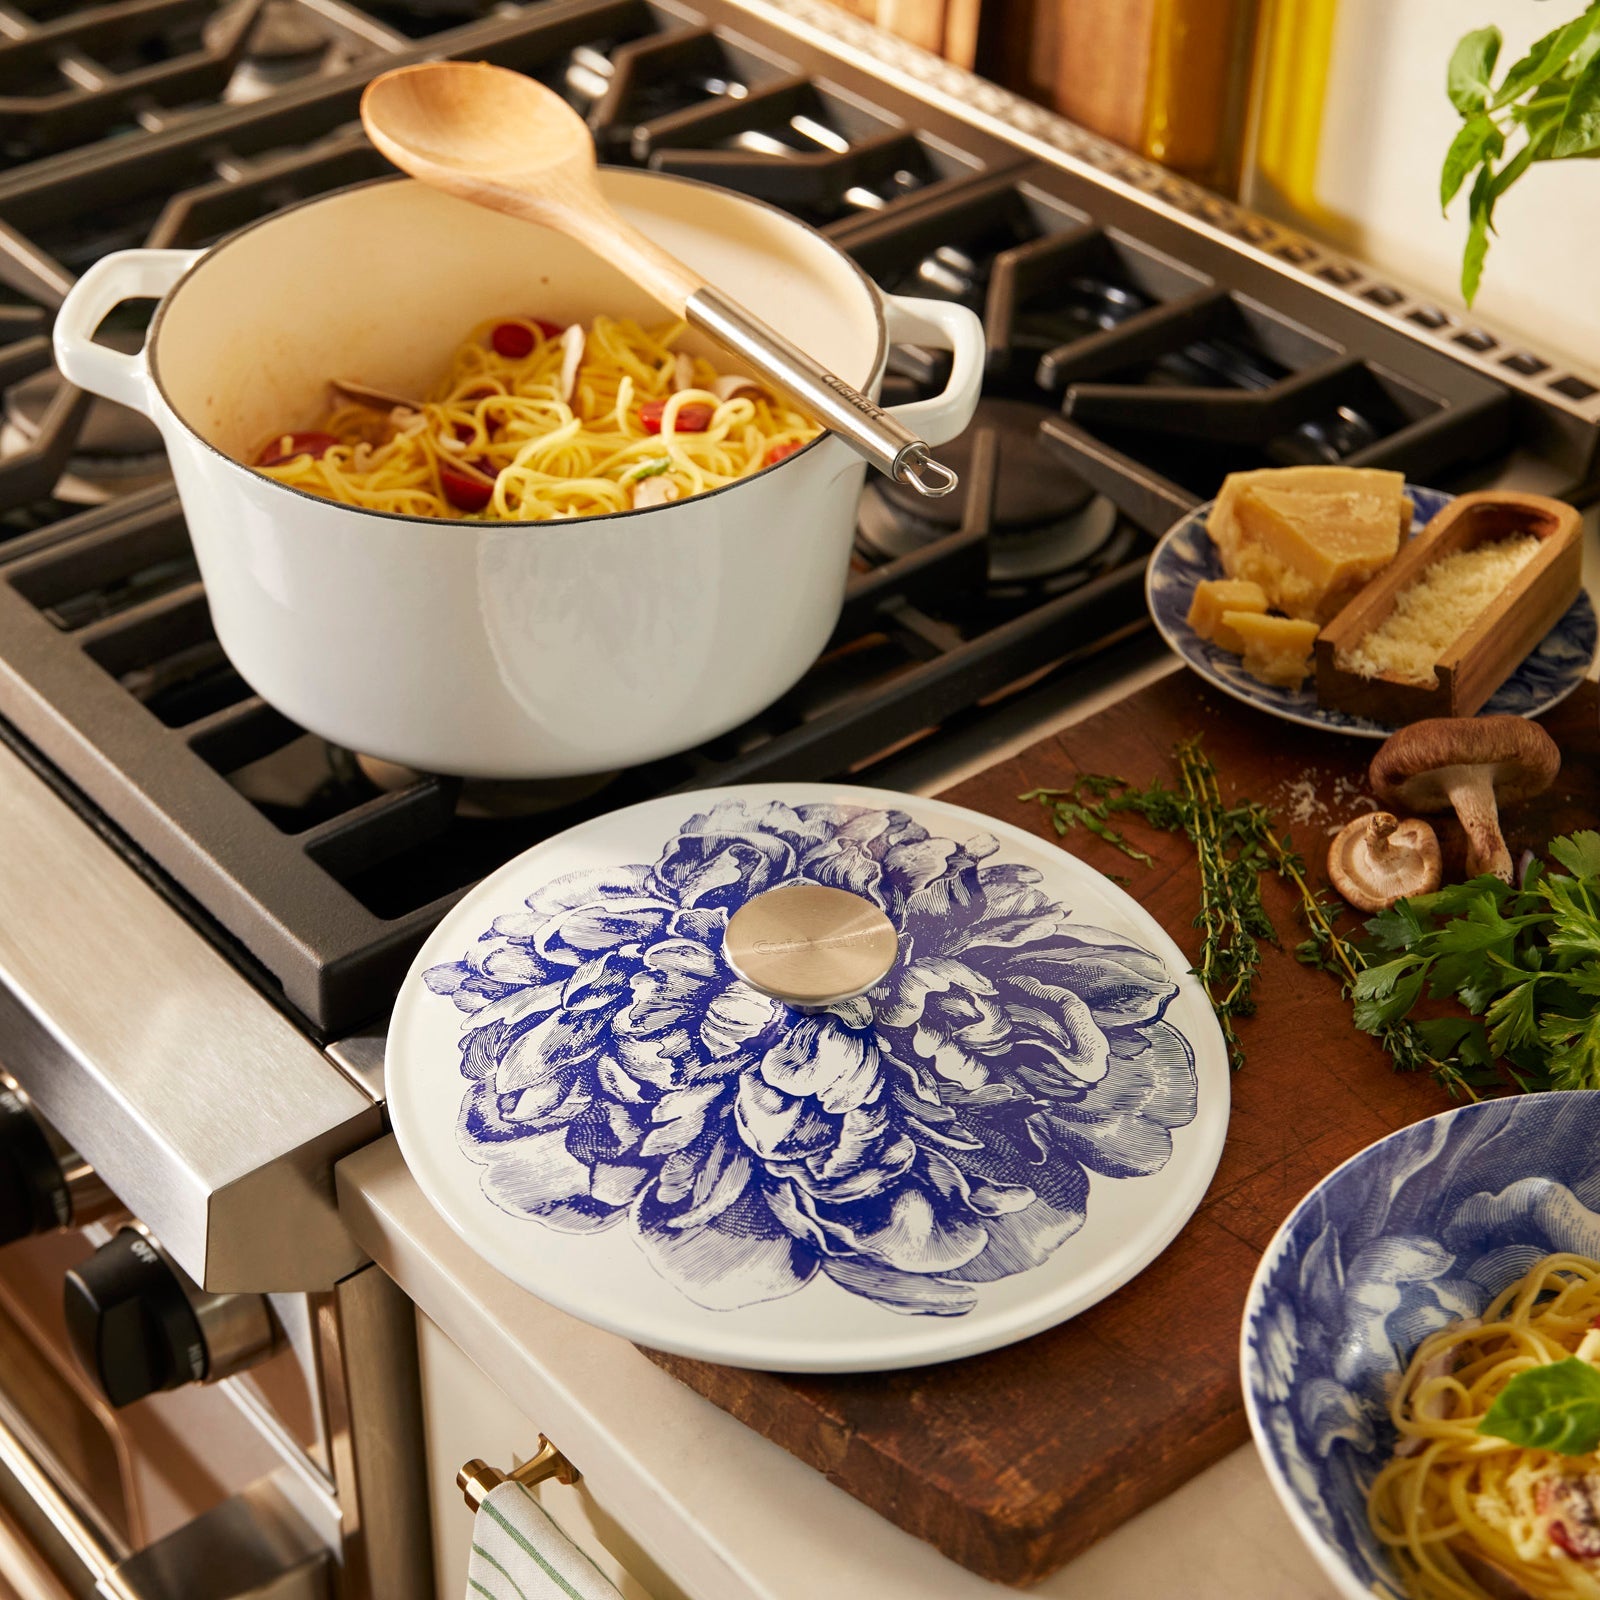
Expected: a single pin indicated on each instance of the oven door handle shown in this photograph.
(252, 1544)
(49, 1526)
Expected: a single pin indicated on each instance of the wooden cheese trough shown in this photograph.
(1492, 644)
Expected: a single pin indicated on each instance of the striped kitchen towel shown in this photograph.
(518, 1553)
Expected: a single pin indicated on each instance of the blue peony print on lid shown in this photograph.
(933, 1135)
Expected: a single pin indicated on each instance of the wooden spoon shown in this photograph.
(365, 395)
(506, 142)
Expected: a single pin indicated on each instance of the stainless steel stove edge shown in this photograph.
(212, 1118)
(1053, 138)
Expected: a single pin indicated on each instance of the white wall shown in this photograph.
(1386, 125)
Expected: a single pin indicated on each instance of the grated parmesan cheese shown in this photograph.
(1301, 802)
(1434, 610)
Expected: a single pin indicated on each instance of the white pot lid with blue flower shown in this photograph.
(1016, 1117)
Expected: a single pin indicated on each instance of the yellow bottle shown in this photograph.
(1296, 48)
(1197, 99)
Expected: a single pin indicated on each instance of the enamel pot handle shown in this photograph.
(944, 326)
(126, 275)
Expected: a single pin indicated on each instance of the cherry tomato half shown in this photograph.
(690, 419)
(512, 340)
(286, 446)
(466, 491)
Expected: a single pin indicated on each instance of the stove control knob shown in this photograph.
(140, 1324)
(44, 1183)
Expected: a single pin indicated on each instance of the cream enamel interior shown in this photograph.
(380, 283)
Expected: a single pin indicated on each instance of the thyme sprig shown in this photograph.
(1236, 846)
(1226, 840)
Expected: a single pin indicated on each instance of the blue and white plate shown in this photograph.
(1014, 1123)
(1186, 556)
(1419, 1230)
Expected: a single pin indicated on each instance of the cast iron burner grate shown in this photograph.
(89, 72)
(1167, 377)
(1133, 355)
(1046, 531)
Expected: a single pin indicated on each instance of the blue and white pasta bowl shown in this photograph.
(1419, 1230)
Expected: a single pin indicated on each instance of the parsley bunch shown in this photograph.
(1524, 962)
(1547, 105)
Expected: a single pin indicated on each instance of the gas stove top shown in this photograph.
(1144, 338)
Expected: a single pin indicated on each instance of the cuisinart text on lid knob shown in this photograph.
(139, 1324)
(810, 945)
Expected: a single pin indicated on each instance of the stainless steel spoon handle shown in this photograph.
(864, 425)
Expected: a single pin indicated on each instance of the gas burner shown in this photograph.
(583, 78)
(1046, 520)
(1326, 440)
(417, 19)
(288, 42)
(948, 273)
(117, 451)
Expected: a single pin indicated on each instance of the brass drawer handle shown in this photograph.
(477, 1478)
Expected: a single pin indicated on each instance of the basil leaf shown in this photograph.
(1586, 52)
(1540, 139)
(1477, 140)
(1467, 81)
(1546, 57)
(1556, 1407)
(1579, 853)
(1477, 246)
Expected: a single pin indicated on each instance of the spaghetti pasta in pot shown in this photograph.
(535, 422)
(1469, 1514)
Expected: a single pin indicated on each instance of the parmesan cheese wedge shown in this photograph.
(1215, 596)
(1277, 650)
(1310, 537)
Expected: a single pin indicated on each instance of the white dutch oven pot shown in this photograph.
(510, 650)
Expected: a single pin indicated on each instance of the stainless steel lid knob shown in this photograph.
(809, 945)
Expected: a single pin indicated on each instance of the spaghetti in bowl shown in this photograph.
(535, 421)
(1388, 1315)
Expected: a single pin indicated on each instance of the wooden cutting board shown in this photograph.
(1013, 1462)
